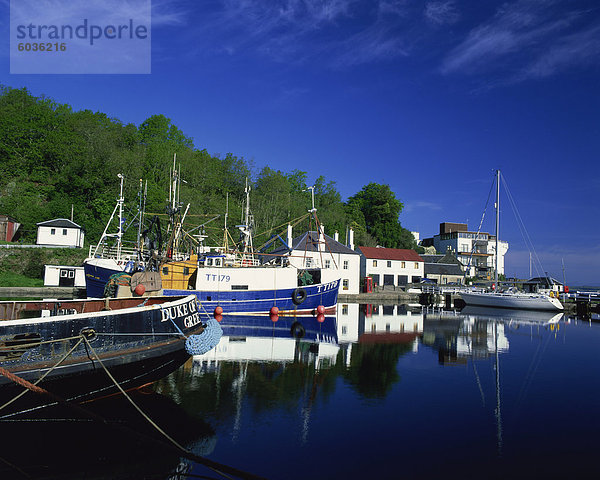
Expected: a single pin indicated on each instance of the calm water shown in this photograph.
(378, 392)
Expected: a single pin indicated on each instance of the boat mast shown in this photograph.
(120, 230)
(497, 225)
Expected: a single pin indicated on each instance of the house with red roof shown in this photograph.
(391, 266)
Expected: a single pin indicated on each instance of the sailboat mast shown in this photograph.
(497, 225)
(120, 230)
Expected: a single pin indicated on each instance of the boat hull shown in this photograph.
(137, 345)
(521, 301)
(97, 274)
(261, 301)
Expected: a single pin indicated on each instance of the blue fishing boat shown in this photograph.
(236, 280)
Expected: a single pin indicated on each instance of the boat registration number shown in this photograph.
(327, 286)
(186, 313)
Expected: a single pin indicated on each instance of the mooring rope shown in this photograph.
(214, 466)
(33, 386)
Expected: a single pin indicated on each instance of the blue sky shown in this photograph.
(429, 97)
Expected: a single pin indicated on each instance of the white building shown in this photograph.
(391, 266)
(60, 233)
(315, 249)
(63, 276)
(476, 251)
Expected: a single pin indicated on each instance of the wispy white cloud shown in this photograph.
(442, 13)
(337, 33)
(581, 48)
(412, 206)
(375, 43)
(526, 39)
(165, 13)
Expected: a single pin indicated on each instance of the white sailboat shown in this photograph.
(509, 299)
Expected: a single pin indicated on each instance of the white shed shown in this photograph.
(63, 276)
(60, 232)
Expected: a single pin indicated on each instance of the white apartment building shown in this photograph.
(476, 251)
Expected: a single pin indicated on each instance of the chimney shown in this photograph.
(351, 239)
(290, 238)
(336, 236)
(321, 238)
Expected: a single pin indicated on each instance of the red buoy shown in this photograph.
(274, 311)
(218, 318)
(218, 311)
(139, 289)
(320, 309)
(566, 289)
(320, 318)
(274, 317)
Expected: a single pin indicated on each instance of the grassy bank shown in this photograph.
(24, 267)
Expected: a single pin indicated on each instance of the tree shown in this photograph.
(379, 210)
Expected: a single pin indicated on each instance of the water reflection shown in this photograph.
(61, 443)
(404, 383)
(264, 372)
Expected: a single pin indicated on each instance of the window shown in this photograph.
(403, 264)
(239, 287)
(186, 271)
(345, 284)
(416, 265)
(309, 262)
(374, 263)
(389, 264)
(344, 329)
(52, 231)
(165, 270)
(345, 264)
(327, 263)
(345, 309)
(209, 262)
(64, 231)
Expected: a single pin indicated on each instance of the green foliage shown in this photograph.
(10, 279)
(53, 159)
(376, 209)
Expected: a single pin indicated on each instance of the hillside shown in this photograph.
(54, 160)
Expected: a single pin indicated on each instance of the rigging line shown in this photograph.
(477, 376)
(535, 368)
(155, 334)
(41, 378)
(296, 220)
(480, 225)
(13, 466)
(326, 244)
(216, 467)
(523, 229)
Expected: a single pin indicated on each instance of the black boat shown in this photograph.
(63, 350)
